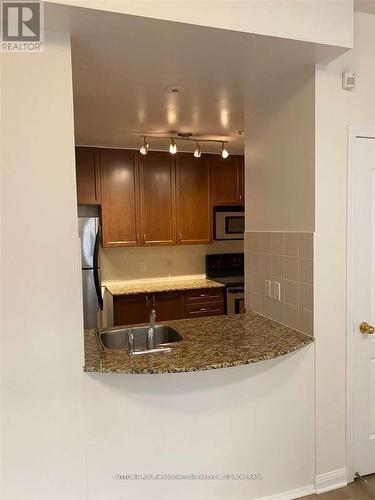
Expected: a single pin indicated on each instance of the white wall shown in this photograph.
(282, 18)
(41, 319)
(248, 419)
(64, 430)
(336, 109)
(279, 153)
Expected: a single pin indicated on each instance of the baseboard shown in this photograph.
(291, 494)
(330, 481)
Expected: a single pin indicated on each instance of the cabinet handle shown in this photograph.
(153, 301)
(147, 302)
(179, 237)
(144, 239)
(137, 238)
(240, 196)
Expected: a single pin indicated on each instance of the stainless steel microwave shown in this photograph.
(229, 223)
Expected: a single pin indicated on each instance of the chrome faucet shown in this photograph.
(151, 330)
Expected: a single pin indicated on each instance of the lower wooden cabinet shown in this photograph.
(135, 309)
(130, 310)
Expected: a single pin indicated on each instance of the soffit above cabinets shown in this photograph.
(123, 65)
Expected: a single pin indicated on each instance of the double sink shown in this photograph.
(136, 340)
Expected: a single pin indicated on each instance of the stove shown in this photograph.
(228, 269)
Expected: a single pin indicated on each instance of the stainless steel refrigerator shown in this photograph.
(89, 234)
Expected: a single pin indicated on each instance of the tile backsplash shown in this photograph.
(285, 258)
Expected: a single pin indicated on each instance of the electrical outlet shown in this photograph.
(276, 291)
(267, 288)
(142, 266)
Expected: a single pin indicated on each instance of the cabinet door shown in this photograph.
(88, 176)
(168, 305)
(228, 180)
(130, 310)
(157, 199)
(194, 207)
(120, 198)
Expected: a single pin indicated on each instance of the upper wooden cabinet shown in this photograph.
(88, 176)
(228, 180)
(120, 198)
(157, 199)
(194, 201)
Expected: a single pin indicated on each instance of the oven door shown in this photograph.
(229, 225)
(235, 300)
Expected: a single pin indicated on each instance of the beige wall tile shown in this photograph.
(292, 244)
(291, 292)
(278, 311)
(306, 318)
(257, 303)
(254, 242)
(278, 243)
(306, 271)
(306, 296)
(292, 316)
(285, 258)
(267, 307)
(254, 262)
(267, 266)
(266, 242)
(306, 245)
(291, 268)
(277, 266)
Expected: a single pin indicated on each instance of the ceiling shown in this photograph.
(123, 66)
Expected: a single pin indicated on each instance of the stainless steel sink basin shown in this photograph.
(118, 340)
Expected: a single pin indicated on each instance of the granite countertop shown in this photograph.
(130, 288)
(209, 343)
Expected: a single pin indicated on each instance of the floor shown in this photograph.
(359, 490)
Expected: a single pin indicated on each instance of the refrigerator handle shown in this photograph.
(96, 269)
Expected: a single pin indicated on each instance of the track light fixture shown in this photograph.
(197, 151)
(172, 147)
(224, 151)
(184, 137)
(144, 147)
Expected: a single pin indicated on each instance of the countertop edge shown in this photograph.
(212, 366)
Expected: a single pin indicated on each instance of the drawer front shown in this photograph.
(207, 309)
(204, 295)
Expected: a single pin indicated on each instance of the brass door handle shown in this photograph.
(366, 328)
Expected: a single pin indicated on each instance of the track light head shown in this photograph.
(144, 148)
(224, 151)
(173, 147)
(197, 151)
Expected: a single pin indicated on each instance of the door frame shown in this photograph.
(354, 132)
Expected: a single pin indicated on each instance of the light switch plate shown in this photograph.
(267, 289)
(276, 291)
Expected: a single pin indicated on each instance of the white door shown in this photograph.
(361, 295)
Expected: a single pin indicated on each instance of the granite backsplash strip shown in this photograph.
(286, 258)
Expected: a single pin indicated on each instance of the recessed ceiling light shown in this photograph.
(174, 89)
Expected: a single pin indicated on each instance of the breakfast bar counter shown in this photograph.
(208, 343)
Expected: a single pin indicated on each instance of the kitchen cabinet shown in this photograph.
(179, 304)
(168, 305)
(194, 200)
(204, 302)
(88, 176)
(130, 310)
(157, 199)
(120, 198)
(228, 180)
